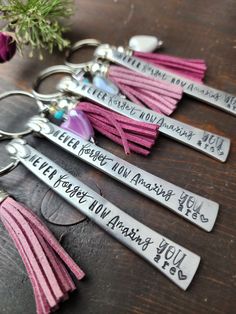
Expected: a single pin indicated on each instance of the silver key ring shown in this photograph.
(10, 135)
(56, 69)
(90, 42)
(12, 165)
(40, 106)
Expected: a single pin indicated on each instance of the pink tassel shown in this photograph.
(42, 255)
(193, 69)
(133, 135)
(157, 95)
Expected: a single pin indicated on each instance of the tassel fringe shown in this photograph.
(135, 136)
(193, 69)
(43, 256)
(157, 95)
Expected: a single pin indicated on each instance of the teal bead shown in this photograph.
(59, 114)
(86, 80)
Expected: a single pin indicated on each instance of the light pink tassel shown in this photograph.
(193, 69)
(133, 135)
(42, 255)
(157, 95)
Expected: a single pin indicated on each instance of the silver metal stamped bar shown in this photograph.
(194, 208)
(173, 260)
(209, 95)
(211, 144)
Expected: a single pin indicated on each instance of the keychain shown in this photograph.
(42, 254)
(128, 59)
(143, 47)
(159, 96)
(134, 136)
(173, 260)
(194, 208)
(206, 142)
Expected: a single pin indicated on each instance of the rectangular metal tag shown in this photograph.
(173, 260)
(209, 95)
(196, 209)
(213, 145)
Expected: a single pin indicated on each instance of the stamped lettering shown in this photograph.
(189, 205)
(170, 258)
(203, 92)
(177, 130)
(212, 143)
(176, 262)
(159, 190)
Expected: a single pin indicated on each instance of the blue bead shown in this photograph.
(59, 114)
(86, 80)
(105, 84)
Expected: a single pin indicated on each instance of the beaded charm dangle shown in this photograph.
(78, 123)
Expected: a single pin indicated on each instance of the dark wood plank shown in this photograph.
(117, 280)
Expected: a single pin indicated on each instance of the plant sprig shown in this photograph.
(37, 22)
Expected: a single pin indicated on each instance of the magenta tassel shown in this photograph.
(193, 69)
(133, 135)
(42, 255)
(157, 95)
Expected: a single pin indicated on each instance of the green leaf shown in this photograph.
(36, 22)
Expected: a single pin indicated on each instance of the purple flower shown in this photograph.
(7, 47)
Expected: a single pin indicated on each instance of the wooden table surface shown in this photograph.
(118, 281)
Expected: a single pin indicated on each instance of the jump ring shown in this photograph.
(90, 42)
(56, 69)
(12, 165)
(8, 135)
